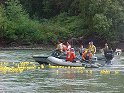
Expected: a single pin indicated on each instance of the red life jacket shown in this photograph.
(70, 56)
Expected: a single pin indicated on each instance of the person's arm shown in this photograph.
(94, 49)
(83, 56)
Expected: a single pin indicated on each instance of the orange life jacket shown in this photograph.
(86, 56)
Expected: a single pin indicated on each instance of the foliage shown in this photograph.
(3, 20)
(46, 21)
(102, 17)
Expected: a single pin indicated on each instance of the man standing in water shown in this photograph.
(108, 53)
(105, 49)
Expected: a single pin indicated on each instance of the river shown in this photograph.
(47, 79)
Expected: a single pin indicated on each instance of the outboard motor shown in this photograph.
(118, 52)
(109, 56)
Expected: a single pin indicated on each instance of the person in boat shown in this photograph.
(87, 55)
(59, 49)
(81, 50)
(68, 46)
(71, 55)
(59, 46)
(65, 48)
(92, 48)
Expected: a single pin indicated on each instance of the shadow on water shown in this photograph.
(59, 80)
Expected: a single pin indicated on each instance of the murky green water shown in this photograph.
(59, 80)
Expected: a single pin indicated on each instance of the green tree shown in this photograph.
(3, 23)
(101, 17)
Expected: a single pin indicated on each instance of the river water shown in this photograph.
(58, 80)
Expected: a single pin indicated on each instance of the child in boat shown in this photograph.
(70, 55)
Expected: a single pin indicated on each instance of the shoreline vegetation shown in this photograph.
(47, 47)
(44, 22)
(28, 48)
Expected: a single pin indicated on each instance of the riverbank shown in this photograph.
(45, 47)
(28, 48)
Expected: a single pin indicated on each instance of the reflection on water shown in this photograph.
(57, 80)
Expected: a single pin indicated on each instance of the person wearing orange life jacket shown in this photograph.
(87, 55)
(70, 55)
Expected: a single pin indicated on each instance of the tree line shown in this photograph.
(46, 21)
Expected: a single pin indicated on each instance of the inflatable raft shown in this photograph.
(42, 59)
(62, 62)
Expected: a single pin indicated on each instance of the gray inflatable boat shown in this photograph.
(62, 62)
